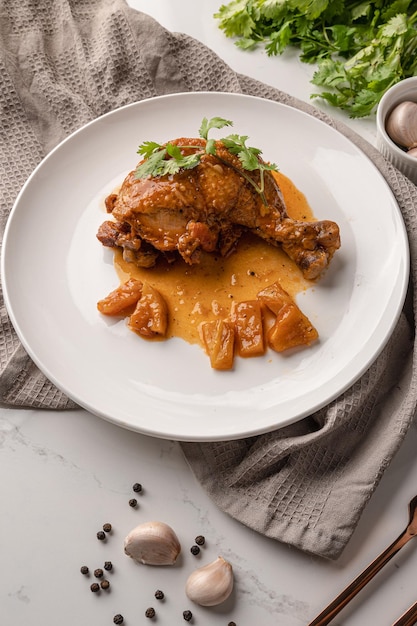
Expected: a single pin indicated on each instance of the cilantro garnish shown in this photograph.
(214, 122)
(361, 47)
(163, 159)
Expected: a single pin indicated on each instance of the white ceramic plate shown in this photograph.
(54, 271)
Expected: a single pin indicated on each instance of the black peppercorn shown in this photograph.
(195, 550)
(137, 487)
(188, 616)
(159, 595)
(200, 540)
(118, 619)
(84, 570)
(231, 624)
(101, 535)
(95, 587)
(133, 502)
(108, 566)
(107, 528)
(105, 584)
(150, 612)
(98, 573)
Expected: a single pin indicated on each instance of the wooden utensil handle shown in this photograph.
(408, 618)
(360, 581)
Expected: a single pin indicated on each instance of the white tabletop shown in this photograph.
(65, 474)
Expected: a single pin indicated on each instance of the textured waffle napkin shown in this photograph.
(64, 63)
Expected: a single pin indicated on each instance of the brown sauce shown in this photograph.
(204, 292)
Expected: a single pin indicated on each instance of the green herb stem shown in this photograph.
(258, 188)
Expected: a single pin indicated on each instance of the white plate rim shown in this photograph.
(197, 434)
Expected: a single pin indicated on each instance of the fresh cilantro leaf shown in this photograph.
(169, 166)
(178, 161)
(397, 25)
(234, 143)
(248, 156)
(159, 165)
(382, 79)
(151, 164)
(148, 147)
(214, 122)
(174, 151)
(333, 98)
(393, 8)
(363, 104)
(280, 39)
(273, 9)
(190, 161)
(329, 73)
(246, 43)
(270, 167)
(311, 8)
(236, 19)
(342, 37)
(173, 166)
(362, 10)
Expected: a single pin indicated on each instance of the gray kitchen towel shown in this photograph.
(66, 62)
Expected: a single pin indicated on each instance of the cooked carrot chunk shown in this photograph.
(119, 301)
(218, 337)
(274, 297)
(291, 329)
(150, 317)
(247, 319)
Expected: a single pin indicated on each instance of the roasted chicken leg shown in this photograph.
(207, 208)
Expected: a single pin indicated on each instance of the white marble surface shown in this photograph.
(64, 474)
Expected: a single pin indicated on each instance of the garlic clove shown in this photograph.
(212, 584)
(401, 124)
(412, 152)
(153, 543)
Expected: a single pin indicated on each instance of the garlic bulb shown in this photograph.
(153, 543)
(401, 124)
(211, 584)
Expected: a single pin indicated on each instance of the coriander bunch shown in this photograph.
(361, 47)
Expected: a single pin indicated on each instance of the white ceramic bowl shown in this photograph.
(404, 90)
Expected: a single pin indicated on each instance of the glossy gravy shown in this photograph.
(204, 292)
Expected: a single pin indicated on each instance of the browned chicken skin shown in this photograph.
(207, 208)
